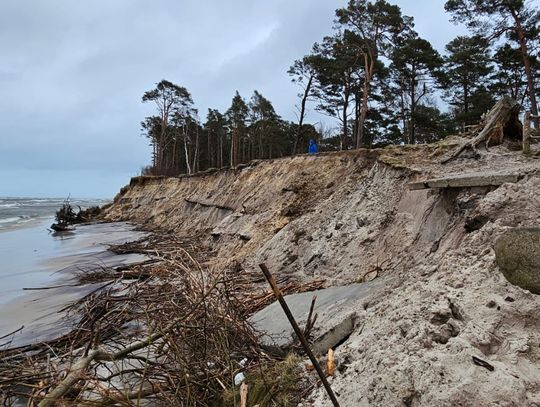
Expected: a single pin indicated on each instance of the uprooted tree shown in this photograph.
(66, 216)
(502, 121)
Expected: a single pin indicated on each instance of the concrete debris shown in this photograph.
(337, 309)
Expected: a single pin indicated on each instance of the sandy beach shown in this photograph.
(38, 275)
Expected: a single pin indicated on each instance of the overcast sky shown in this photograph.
(72, 74)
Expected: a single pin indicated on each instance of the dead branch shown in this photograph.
(174, 331)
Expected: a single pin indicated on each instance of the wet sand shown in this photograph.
(32, 258)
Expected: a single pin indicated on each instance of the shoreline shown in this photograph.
(158, 319)
(19, 212)
(41, 273)
(179, 328)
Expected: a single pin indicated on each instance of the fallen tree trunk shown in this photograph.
(502, 121)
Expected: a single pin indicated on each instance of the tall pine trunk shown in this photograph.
(369, 65)
(234, 148)
(527, 65)
(299, 130)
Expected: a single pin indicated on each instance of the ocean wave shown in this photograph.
(16, 222)
(10, 205)
(41, 200)
(14, 219)
(46, 200)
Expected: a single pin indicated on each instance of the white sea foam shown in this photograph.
(15, 222)
(10, 220)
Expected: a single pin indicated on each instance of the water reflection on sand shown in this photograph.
(32, 258)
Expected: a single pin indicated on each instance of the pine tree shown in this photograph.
(518, 20)
(414, 65)
(466, 77)
(376, 26)
(236, 118)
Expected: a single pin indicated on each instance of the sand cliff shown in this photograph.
(352, 217)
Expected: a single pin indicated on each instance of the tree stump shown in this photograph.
(501, 122)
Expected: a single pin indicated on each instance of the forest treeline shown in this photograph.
(375, 76)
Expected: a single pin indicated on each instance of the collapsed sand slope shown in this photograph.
(350, 217)
(415, 346)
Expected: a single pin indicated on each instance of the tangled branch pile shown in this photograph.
(169, 332)
(66, 216)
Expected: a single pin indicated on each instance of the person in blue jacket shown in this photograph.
(313, 149)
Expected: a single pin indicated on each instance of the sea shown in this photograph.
(16, 213)
(39, 267)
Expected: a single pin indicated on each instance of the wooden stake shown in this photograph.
(243, 394)
(299, 333)
(330, 363)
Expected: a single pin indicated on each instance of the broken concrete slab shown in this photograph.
(337, 310)
(475, 179)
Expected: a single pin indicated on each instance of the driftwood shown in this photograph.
(243, 395)
(61, 227)
(500, 122)
(78, 370)
(172, 334)
(67, 216)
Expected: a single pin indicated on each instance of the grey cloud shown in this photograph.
(72, 74)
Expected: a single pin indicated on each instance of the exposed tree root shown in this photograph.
(500, 122)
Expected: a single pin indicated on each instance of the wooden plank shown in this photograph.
(466, 181)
